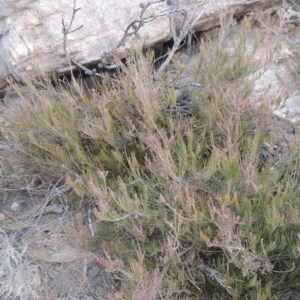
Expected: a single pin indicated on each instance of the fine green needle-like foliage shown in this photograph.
(183, 209)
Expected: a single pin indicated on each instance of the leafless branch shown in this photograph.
(178, 31)
(66, 30)
(136, 25)
(56, 190)
(67, 27)
(28, 188)
(184, 29)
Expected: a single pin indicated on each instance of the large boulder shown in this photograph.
(31, 30)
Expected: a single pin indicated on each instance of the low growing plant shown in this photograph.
(182, 209)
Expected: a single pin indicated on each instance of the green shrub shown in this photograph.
(183, 211)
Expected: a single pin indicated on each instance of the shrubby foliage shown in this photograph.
(182, 209)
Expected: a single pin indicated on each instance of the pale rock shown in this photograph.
(15, 206)
(31, 30)
(290, 108)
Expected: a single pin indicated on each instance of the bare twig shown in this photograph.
(136, 25)
(28, 188)
(89, 216)
(67, 27)
(191, 279)
(66, 30)
(57, 190)
(107, 61)
(15, 281)
(184, 30)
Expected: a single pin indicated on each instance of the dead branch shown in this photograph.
(107, 61)
(184, 29)
(67, 28)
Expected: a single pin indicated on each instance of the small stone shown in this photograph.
(290, 108)
(15, 206)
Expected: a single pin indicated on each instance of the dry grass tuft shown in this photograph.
(15, 271)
